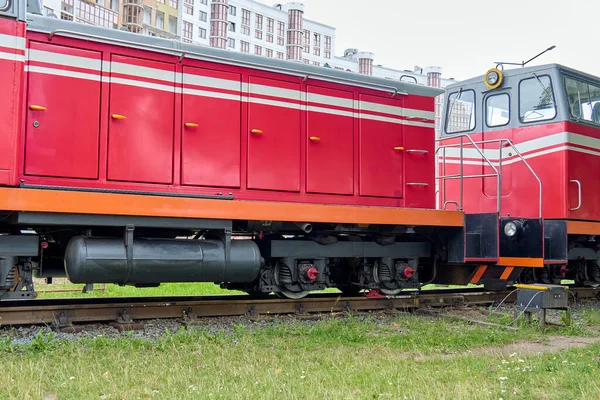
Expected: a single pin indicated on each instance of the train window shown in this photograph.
(4, 5)
(461, 112)
(578, 96)
(497, 110)
(536, 99)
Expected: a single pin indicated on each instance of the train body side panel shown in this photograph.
(12, 57)
(248, 131)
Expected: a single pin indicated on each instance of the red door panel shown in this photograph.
(141, 114)
(274, 135)
(380, 148)
(211, 150)
(330, 144)
(63, 139)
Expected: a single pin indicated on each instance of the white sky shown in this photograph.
(464, 37)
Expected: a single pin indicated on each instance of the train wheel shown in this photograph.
(283, 277)
(287, 294)
(382, 274)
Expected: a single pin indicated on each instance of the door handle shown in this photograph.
(399, 148)
(257, 131)
(315, 139)
(579, 194)
(191, 125)
(418, 151)
(117, 116)
(37, 108)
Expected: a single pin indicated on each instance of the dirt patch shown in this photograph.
(549, 344)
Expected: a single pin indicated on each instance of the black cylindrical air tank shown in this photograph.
(105, 260)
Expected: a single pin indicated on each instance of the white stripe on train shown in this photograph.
(224, 84)
(217, 95)
(535, 145)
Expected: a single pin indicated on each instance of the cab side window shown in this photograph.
(497, 110)
(536, 99)
(461, 112)
(584, 100)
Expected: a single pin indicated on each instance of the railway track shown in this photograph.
(127, 312)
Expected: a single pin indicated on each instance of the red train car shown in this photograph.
(530, 145)
(134, 160)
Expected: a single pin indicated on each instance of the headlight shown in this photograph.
(493, 78)
(510, 229)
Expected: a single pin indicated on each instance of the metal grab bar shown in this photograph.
(578, 192)
(183, 53)
(502, 143)
(461, 176)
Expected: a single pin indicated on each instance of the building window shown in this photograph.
(245, 22)
(245, 47)
(204, 1)
(160, 20)
(173, 3)
(306, 61)
(318, 64)
(231, 43)
(269, 53)
(188, 7)
(280, 33)
(270, 37)
(259, 26)
(160, 1)
(280, 55)
(307, 41)
(202, 33)
(173, 25)
(147, 15)
(232, 10)
(257, 50)
(203, 16)
(327, 46)
(317, 45)
(231, 27)
(187, 31)
(270, 25)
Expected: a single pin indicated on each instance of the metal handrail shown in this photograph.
(502, 143)
(461, 175)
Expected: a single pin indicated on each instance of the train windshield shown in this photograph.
(584, 100)
(4, 4)
(461, 112)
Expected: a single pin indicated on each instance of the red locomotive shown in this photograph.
(530, 145)
(134, 160)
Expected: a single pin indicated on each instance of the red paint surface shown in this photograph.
(274, 154)
(140, 148)
(330, 160)
(381, 167)
(555, 170)
(11, 93)
(66, 142)
(210, 152)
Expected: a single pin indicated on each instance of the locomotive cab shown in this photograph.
(523, 143)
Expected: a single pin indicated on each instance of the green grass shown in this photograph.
(65, 289)
(352, 357)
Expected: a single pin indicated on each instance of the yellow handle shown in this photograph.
(191, 125)
(37, 108)
(399, 148)
(117, 116)
(257, 131)
(315, 139)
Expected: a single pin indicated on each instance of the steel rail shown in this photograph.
(65, 312)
